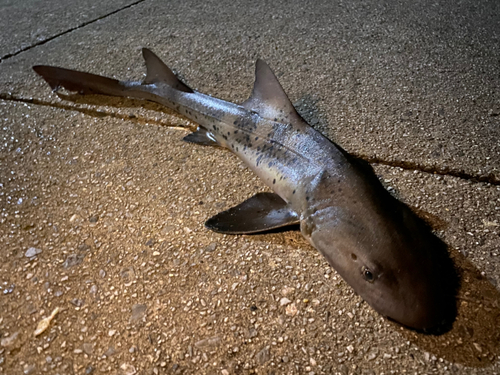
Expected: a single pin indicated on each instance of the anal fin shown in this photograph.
(260, 213)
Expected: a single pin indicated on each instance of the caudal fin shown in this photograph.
(83, 83)
(87, 83)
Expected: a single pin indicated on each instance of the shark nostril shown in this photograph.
(353, 256)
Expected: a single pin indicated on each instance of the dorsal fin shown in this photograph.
(157, 71)
(268, 98)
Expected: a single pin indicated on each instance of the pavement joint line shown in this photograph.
(92, 112)
(489, 178)
(41, 42)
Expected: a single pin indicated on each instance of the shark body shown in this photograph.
(375, 242)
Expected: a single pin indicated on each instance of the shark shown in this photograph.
(378, 245)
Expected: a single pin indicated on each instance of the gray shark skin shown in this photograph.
(376, 243)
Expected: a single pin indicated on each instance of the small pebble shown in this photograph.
(9, 340)
(73, 260)
(88, 348)
(287, 291)
(210, 248)
(138, 312)
(263, 356)
(111, 350)
(208, 343)
(291, 310)
(285, 301)
(31, 252)
(77, 302)
(128, 369)
(371, 355)
(28, 369)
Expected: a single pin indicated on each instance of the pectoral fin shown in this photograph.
(260, 213)
(201, 137)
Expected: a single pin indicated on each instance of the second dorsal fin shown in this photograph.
(157, 71)
(268, 98)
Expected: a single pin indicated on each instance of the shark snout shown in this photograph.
(427, 308)
(434, 321)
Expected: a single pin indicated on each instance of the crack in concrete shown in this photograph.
(92, 112)
(489, 178)
(41, 42)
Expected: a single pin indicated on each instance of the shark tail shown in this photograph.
(83, 83)
(88, 84)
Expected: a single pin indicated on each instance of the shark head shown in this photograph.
(388, 255)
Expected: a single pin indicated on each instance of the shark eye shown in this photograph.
(367, 274)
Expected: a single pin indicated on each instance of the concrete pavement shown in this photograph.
(116, 203)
